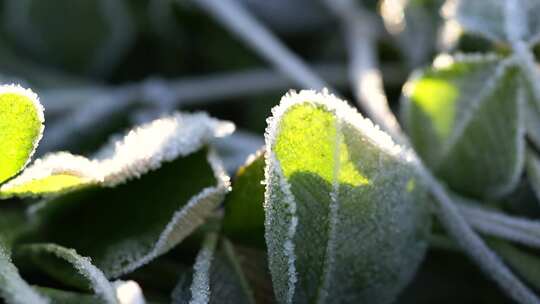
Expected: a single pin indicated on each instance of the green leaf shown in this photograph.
(13, 288)
(21, 127)
(499, 20)
(149, 191)
(244, 213)
(533, 172)
(465, 119)
(346, 217)
(92, 37)
(140, 151)
(532, 114)
(217, 277)
(53, 258)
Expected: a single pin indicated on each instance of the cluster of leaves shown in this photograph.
(330, 210)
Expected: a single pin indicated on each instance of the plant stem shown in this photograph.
(239, 21)
(493, 223)
(360, 31)
(195, 90)
(160, 94)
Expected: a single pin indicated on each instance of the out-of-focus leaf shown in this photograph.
(146, 193)
(465, 119)
(21, 126)
(499, 20)
(346, 217)
(533, 172)
(244, 213)
(13, 289)
(140, 151)
(532, 114)
(81, 35)
(68, 297)
(217, 277)
(67, 266)
(125, 227)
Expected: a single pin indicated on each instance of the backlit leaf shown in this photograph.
(54, 259)
(216, 278)
(465, 118)
(142, 150)
(140, 197)
(346, 217)
(21, 126)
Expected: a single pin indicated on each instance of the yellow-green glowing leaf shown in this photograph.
(346, 220)
(143, 149)
(52, 184)
(464, 116)
(443, 107)
(21, 127)
(165, 161)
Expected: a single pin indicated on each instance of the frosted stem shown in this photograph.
(164, 94)
(203, 89)
(360, 31)
(523, 231)
(370, 99)
(239, 21)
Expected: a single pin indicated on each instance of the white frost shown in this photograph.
(141, 150)
(129, 292)
(200, 287)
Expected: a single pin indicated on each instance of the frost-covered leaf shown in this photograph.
(142, 150)
(465, 118)
(346, 217)
(130, 230)
(533, 172)
(91, 38)
(13, 289)
(21, 126)
(244, 213)
(217, 277)
(148, 192)
(121, 228)
(66, 265)
(498, 20)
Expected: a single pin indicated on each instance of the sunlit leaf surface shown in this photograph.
(346, 217)
(465, 118)
(21, 126)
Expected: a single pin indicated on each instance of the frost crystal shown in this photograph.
(143, 149)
